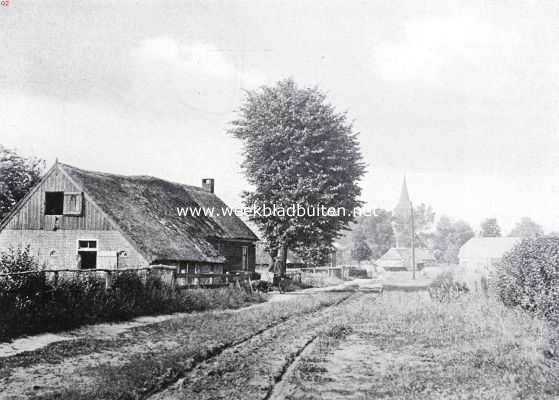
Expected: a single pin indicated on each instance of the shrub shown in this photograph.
(262, 286)
(358, 273)
(31, 303)
(445, 288)
(528, 277)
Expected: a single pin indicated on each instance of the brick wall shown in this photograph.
(58, 249)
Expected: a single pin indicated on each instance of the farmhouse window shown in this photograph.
(87, 244)
(72, 203)
(54, 203)
(87, 254)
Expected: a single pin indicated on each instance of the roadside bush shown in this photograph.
(358, 273)
(445, 288)
(528, 277)
(262, 286)
(32, 303)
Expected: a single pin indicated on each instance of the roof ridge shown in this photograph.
(109, 174)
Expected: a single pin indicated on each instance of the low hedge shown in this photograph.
(33, 304)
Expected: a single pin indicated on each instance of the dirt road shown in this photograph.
(232, 354)
(344, 344)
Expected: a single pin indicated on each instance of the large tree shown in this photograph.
(490, 228)
(527, 228)
(449, 236)
(298, 150)
(17, 175)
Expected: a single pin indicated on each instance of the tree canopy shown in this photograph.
(490, 228)
(449, 236)
(424, 216)
(17, 175)
(527, 228)
(298, 150)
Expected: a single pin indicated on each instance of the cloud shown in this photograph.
(169, 77)
(196, 58)
(459, 51)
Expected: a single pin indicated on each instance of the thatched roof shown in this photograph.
(145, 209)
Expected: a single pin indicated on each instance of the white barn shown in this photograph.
(479, 255)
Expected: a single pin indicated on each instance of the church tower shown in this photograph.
(403, 207)
(402, 213)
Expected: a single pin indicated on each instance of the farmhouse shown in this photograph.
(82, 219)
(480, 254)
(400, 259)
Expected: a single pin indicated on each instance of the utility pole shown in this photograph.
(412, 241)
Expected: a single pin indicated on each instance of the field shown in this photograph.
(311, 345)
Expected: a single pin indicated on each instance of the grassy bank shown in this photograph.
(406, 346)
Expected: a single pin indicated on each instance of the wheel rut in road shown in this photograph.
(252, 367)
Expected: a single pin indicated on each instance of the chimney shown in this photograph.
(208, 184)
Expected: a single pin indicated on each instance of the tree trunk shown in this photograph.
(280, 264)
(273, 256)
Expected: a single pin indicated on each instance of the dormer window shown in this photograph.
(63, 203)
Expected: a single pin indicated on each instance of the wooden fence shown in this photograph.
(341, 272)
(168, 274)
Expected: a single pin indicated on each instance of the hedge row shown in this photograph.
(32, 303)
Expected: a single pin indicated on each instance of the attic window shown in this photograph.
(72, 203)
(54, 203)
(63, 203)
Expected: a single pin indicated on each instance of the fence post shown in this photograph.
(55, 278)
(174, 278)
(108, 282)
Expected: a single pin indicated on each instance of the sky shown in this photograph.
(460, 97)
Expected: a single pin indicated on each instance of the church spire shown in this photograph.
(403, 206)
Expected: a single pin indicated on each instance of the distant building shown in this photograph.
(399, 259)
(480, 254)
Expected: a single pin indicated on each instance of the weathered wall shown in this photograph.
(232, 251)
(64, 243)
(31, 215)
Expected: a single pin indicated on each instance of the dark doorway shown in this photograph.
(88, 259)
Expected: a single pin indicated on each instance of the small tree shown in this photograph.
(361, 250)
(17, 175)
(298, 152)
(449, 236)
(490, 228)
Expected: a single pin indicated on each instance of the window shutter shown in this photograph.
(73, 203)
